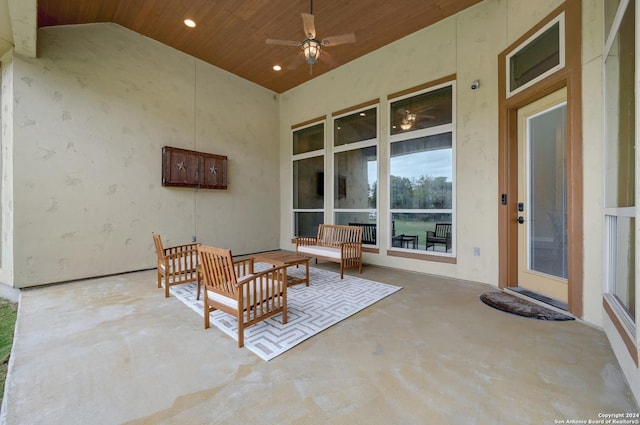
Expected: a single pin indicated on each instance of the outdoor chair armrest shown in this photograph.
(186, 258)
(350, 249)
(243, 266)
(305, 240)
(181, 248)
(268, 274)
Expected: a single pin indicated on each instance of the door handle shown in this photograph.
(520, 219)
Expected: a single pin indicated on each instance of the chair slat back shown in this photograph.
(369, 232)
(159, 248)
(336, 234)
(442, 229)
(218, 270)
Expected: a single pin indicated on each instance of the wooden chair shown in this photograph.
(232, 287)
(176, 264)
(369, 232)
(441, 235)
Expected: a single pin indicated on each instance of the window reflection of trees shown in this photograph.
(425, 192)
(429, 186)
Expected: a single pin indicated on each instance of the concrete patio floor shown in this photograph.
(113, 350)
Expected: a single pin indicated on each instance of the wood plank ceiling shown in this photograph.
(231, 34)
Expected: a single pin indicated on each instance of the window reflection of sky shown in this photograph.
(372, 172)
(431, 163)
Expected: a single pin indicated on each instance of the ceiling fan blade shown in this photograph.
(328, 59)
(295, 62)
(308, 25)
(283, 42)
(422, 109)
(339, 39)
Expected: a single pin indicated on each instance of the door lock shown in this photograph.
(520, 219)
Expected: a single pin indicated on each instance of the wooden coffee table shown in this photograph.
(284, 258)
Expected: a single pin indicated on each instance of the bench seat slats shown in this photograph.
(323, 251)
(337, 243)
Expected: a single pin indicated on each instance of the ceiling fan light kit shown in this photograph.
(408, 120)
(311, 50)
(311, 46)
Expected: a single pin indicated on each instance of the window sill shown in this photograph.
(616, 314)
(421, 256)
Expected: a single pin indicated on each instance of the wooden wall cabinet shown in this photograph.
(186, 168)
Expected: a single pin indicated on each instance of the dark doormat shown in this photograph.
(521, 307)
(536, 296)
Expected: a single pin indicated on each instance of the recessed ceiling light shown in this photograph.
(189, 23)
(362, 114)
(277, 68)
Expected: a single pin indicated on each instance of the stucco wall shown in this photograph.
(592, 155)
(91, 115)
(467, 45)
(6, 167)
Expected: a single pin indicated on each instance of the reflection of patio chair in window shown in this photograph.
(403, 241)
(559, 233)
(369, 231)
(441, 235)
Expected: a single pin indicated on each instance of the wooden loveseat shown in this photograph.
(337, 243)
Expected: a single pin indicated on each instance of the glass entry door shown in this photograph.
(542, 196)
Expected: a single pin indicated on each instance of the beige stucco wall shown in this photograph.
(91, 115)
(6, 35)
(592, 152)
(6, 168)
(467, 45)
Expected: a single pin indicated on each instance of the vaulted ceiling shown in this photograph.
(231, 34)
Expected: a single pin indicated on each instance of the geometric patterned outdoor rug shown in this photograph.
(326, 301)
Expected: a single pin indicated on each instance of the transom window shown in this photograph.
(539, 56)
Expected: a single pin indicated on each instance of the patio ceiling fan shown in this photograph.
(407, 116)
(311, 46)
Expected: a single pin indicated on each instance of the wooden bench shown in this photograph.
(336, 243)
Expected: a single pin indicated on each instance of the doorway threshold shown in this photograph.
(542, 298)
